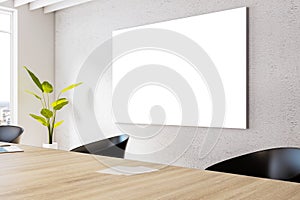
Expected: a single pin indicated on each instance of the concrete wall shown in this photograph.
(36, 51)
(274, 97)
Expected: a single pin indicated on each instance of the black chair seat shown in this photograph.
(10, 133)
(277, 163)
(113, 147)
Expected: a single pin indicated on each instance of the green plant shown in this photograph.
(48, 111)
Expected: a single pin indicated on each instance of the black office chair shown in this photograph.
(277, 163)
(113, 147)
(10, 133)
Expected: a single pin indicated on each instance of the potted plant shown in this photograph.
(49, 110)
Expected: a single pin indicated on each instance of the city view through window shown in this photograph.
(5, 67)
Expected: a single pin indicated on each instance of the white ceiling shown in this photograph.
(48, 5)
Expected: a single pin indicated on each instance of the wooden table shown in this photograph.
(41, 174)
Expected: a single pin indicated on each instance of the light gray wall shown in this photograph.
(274, 97)
(36, 51)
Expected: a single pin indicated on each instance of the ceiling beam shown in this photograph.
(18, 3)
(42, 3)
(63, 5)
(1, 1)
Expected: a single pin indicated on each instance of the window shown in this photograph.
(8, 66)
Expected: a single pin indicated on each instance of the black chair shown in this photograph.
(278, 163)
(113, 147)
(10, 133)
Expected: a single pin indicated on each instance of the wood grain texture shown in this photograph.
(41, 173)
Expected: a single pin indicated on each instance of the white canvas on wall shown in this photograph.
(223, 36)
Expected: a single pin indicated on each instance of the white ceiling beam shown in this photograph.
(1, 1)
(63, 5)
(18, 3)
(42, 3)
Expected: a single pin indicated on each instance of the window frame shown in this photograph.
(13, 104)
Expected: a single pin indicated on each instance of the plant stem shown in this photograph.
(50, 134)
(48, 100)
(43, 104)
(52, 126)
(44, 100)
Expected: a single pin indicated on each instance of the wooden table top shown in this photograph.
(39, 173)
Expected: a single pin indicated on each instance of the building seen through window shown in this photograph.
(5, 66)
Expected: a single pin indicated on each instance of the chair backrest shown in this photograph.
(113, 147)
(10, 133)
(278, 163)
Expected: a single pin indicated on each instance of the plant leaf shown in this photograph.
(47, 87)
(58, 123)
(34, 79)
(59, 104)
(32, 93)
(70, 87)
(46, 113)
(40, 119)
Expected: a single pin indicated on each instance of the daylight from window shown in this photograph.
(5, 67)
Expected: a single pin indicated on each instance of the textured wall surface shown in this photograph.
(274, 98)
(36, 51)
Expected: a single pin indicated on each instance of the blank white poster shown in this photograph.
(223, 37)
